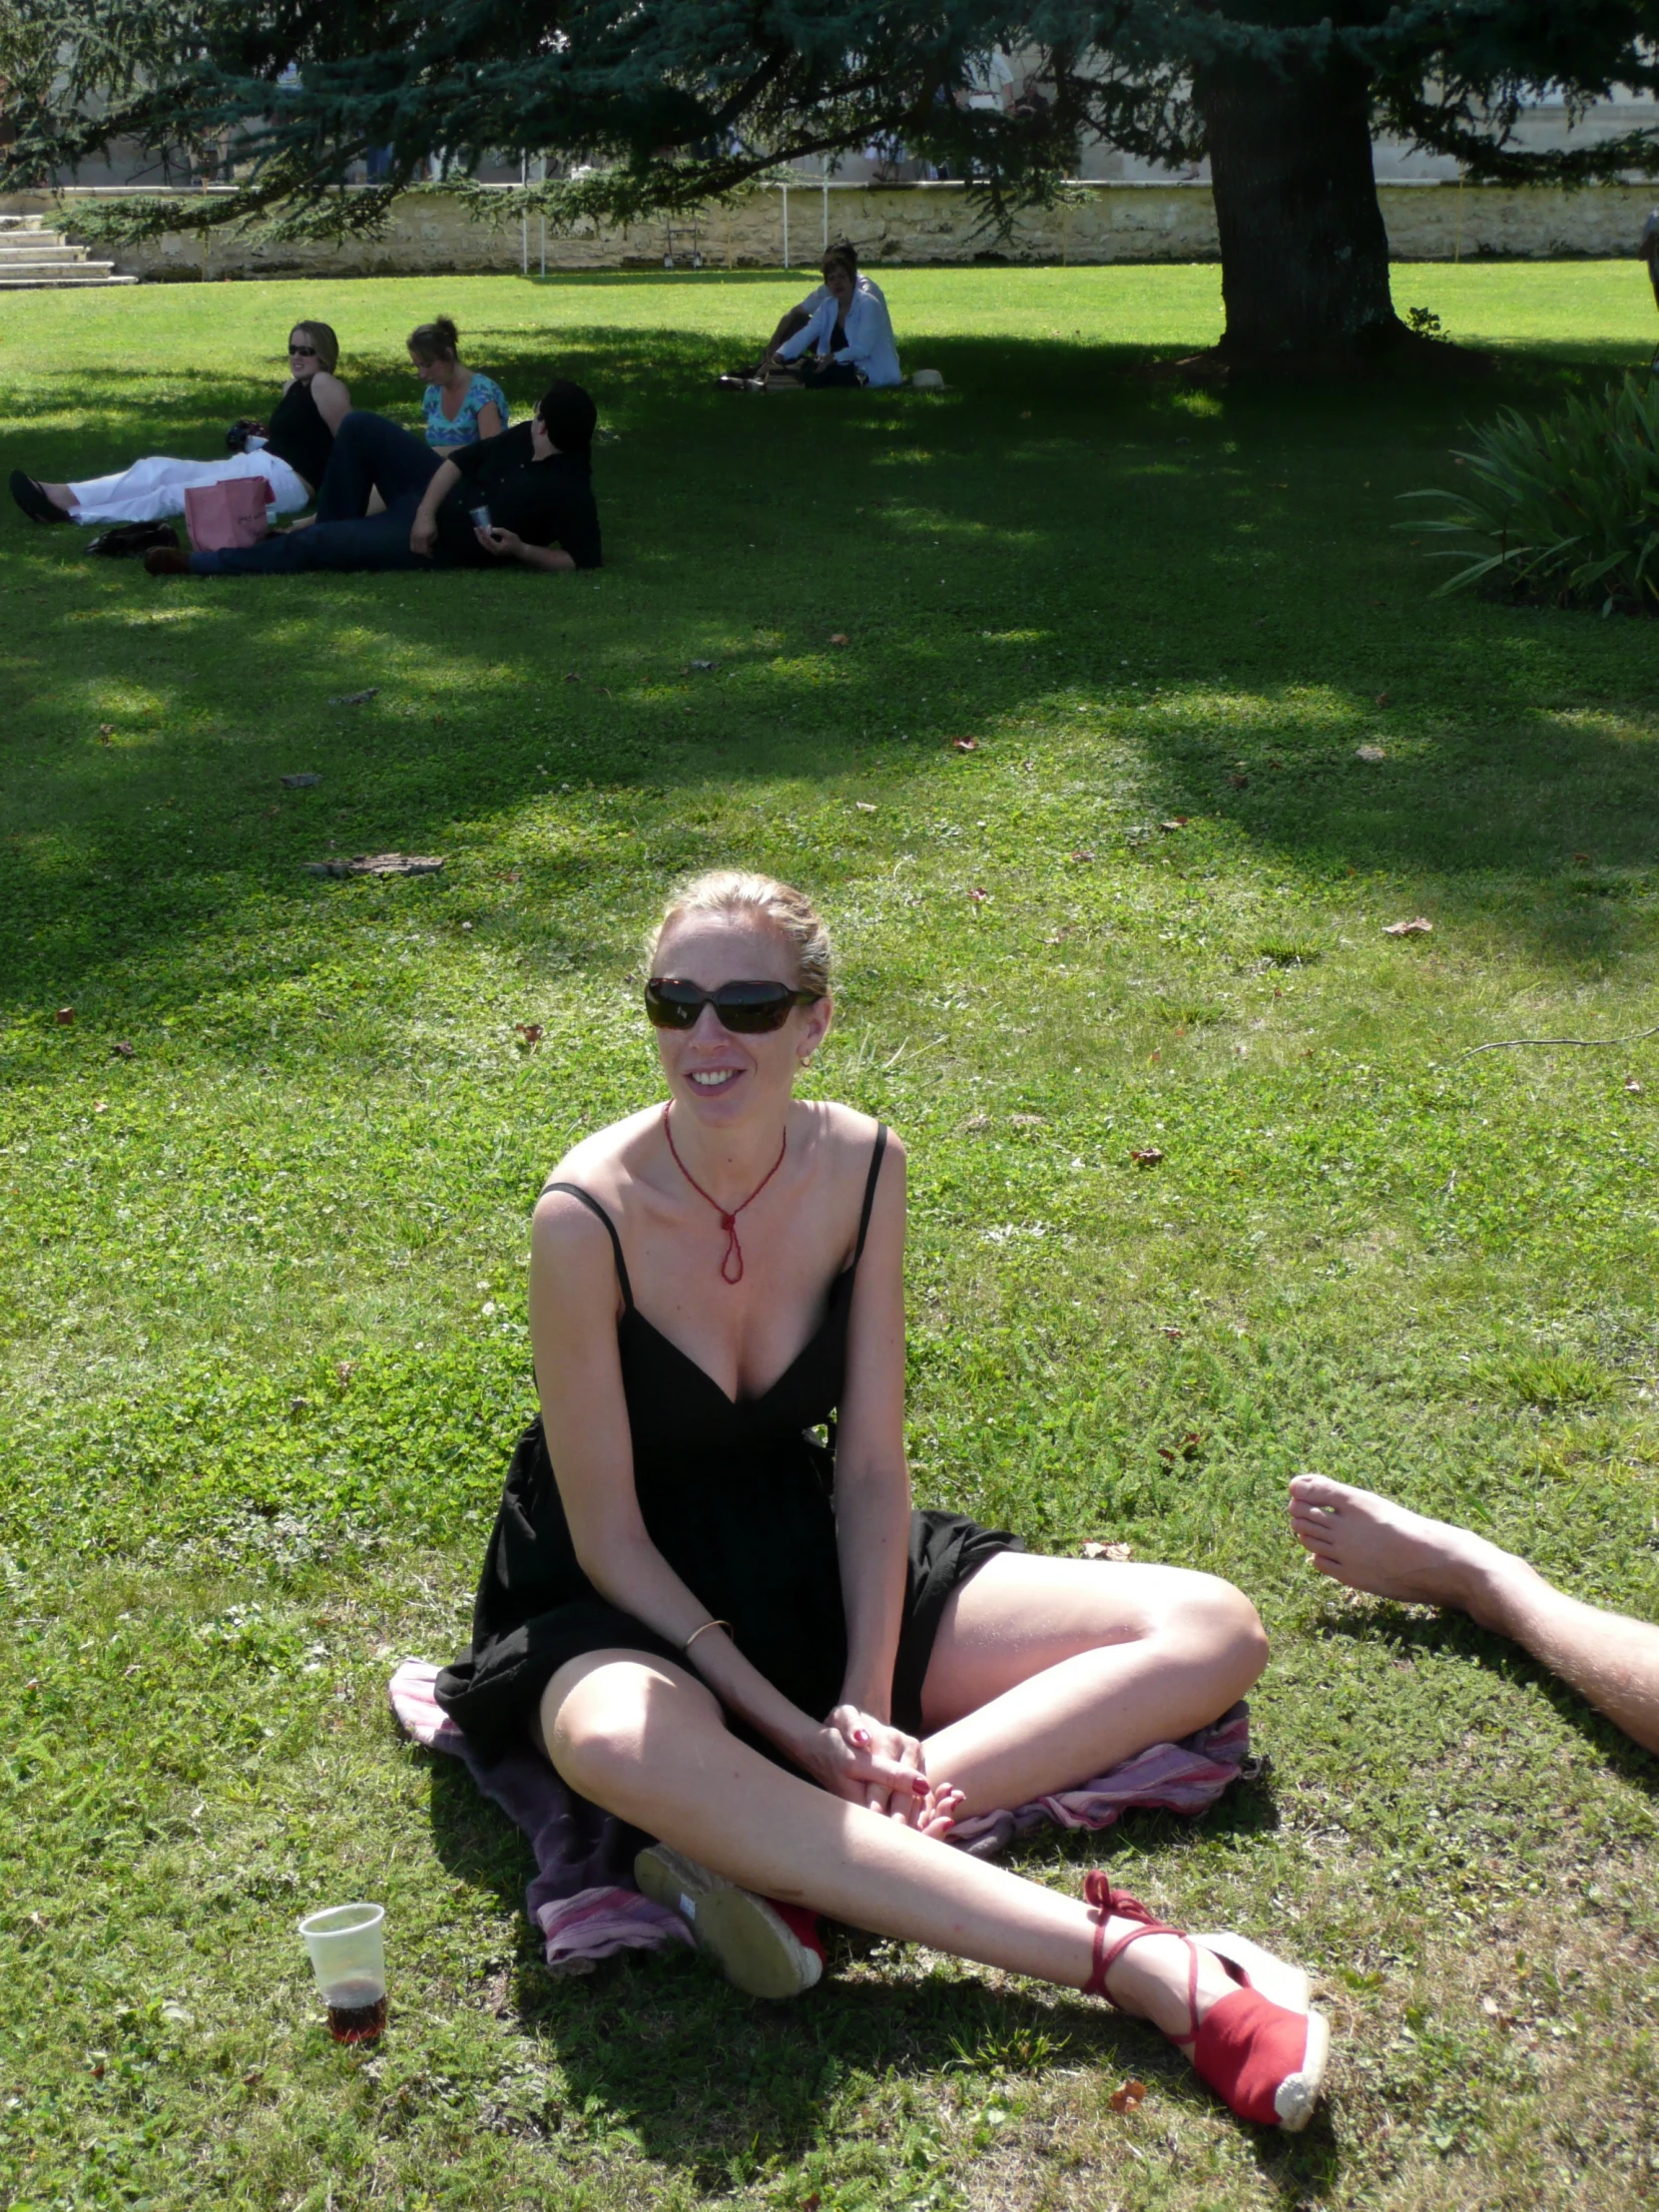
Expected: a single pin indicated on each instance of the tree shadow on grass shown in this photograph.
(1213, 581)
(716, 2084)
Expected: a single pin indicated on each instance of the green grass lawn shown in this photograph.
(261, 1308)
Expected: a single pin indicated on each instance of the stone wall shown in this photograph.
(432, 231)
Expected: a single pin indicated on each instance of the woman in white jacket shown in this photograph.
(851, 333)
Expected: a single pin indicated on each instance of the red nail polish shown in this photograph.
(862, 1736)
(919, 1785)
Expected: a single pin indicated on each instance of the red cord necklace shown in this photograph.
(727, 1221)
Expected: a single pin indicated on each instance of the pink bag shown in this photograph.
(220, 516)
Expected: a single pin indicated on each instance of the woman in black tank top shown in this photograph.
(708, 1596)
(290, 452)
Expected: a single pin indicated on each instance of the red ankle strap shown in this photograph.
(1109, 1903)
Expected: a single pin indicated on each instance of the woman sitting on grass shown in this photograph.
(743, 1640)
(461, 404)
(851, 331)
(524, 497)
(290, 452)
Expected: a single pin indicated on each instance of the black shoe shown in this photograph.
(128, 539)
(33, 501)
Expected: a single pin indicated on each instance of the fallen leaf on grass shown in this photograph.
(378, 863)
(66, 1017)
(1130, 2097)
(1632, 1086)
(1187, 1449)
(572, 676)
(839, 637)
(355, 697)
(123, 1050)
(1147, 1155)
(1583, 858)
(1369, 753)
(1108, 1552)
(1025, 1121)
(99, 1105)
(1239, 782)
(964, 745)
(1417, 928)
(1082, 854)
(863, 805)
(704, 668)
(1173, 1333)
(1175, 822)
(1383, 698)
(978, 896)
(253, 2078)
(301, 782)
(106, 731)
(529, 1034)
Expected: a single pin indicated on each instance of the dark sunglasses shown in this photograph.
(309, 352)
(744, 1008)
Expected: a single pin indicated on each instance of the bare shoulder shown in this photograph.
(327, 385)
(850, 1136)
(601, 1164)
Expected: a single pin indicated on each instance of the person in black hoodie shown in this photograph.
(524, 497)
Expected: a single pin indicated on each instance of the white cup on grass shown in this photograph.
(346, 1943)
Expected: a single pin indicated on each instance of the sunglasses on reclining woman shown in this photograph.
(744, 1008)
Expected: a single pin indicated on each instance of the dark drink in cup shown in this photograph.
(357, 2013)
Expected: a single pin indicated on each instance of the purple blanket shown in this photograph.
(583, 1897)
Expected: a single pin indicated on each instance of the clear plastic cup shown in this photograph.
(348, 1948)
(480, 517)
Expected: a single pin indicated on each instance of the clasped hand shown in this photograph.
(872, 1762)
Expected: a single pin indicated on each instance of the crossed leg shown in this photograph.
(1044, 1671)
(1372, 1544)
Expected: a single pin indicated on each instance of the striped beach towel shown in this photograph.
(582, 1896)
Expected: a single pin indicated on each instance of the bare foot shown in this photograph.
(60, 497)
(1372, 1544)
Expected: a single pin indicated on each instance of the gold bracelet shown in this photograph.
(703, 1631)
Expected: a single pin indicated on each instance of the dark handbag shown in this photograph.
(244, 428)
(129, 540)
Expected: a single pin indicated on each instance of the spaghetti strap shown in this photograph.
(870, 1191)
(592, 1204)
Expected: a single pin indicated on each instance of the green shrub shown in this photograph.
(1565, 507)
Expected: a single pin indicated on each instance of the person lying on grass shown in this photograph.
(1372, 1544)
(797, 318)
(525, 496)
(743, 1640)
(290, 452)
(851, 331)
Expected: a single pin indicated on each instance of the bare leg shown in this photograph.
(59, 494)
(646, 1739)
(1048, 1671)
(1369, 1543)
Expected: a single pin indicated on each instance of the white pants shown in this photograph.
(154, 490)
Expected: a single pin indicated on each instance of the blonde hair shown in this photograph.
(324, 338)
(730, 891)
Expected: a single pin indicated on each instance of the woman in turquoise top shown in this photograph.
(461, 406)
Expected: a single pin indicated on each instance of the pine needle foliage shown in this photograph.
(1564, 506)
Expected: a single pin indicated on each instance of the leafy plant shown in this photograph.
(1566, 506)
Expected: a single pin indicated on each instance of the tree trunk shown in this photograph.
(1304, 254)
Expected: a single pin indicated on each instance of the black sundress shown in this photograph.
(738, 1497)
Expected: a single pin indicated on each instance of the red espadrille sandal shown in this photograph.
(1262, 2048)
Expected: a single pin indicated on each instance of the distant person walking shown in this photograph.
(461, 404)
(290, 452)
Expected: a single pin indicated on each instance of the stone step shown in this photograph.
(86, 279)
(69, 257)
